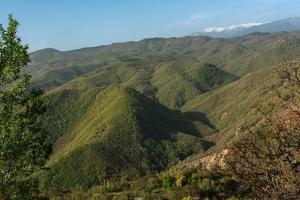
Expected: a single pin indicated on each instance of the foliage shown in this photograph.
(238, 56)
(199, 184)
(122, 133)
(153, 183)
(180, 180)
(103, 133)
(24, 147)
(266, 158)
(168, 180)
(229, 108)
(188, 198)
(213, 183)
(179, 82)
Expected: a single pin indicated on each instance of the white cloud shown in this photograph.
(231, 27)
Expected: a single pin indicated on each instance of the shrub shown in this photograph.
(167, 180)
(153, 183)
(207, 185)
(266, 156)
(187, 198)
(77, 194)
(180, 180)
(110, 187)
(227, 185)
(196, 177)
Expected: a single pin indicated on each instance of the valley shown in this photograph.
(137, 108)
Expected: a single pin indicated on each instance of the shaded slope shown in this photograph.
(229, 108)
(171, 83)
(103, 132)
(66, 108)
(122, 133)
(178, 82)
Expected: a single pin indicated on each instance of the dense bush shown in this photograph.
(213, 183)
(194, 183)
(266, 157)
(168, 180)
(153, 183)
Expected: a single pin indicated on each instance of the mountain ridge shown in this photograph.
(207, 84)
(121, 132)
(287, 25)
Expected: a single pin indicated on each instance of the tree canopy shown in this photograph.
(24, 146)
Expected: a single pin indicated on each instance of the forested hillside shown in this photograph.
(132, 109)
(237, 56)
(123, 100)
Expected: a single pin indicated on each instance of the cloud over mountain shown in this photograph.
(287, 25)
(231, 27)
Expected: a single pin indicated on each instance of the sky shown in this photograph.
(71, 24)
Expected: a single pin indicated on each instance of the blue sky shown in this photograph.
(70, 24)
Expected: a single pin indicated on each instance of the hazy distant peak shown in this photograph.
(287, 25)
(293, 19)
(231, 27)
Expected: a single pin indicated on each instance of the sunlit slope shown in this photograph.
(110, 107)
(178, 82)
(122, 133)
(171, 83)
(229, 108)
(238, 56)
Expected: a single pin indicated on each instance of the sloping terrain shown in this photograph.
(136, 108)
(177, 83)
(238, 56)
(171, 83)
(230, 108)
(121, 133)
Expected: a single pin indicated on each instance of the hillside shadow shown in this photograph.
(198, 117)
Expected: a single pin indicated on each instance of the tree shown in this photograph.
(24, 145)
(267, 157)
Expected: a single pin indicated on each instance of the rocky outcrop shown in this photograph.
(210, 161)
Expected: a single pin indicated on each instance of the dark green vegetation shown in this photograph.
(24, 144)
(237, 56)
(130, 110)
(229, 108)
(122, 133)
(178, 83)
(267, 155)
(189, 184)
(133, 109)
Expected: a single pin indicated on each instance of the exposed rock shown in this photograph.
(213, 160)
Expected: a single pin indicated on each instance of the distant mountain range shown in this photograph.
(290, 24)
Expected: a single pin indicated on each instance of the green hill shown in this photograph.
(230, 108)
(177, 83)
(121, 134)
(238, 56)
(171, 83)
(110, 113)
